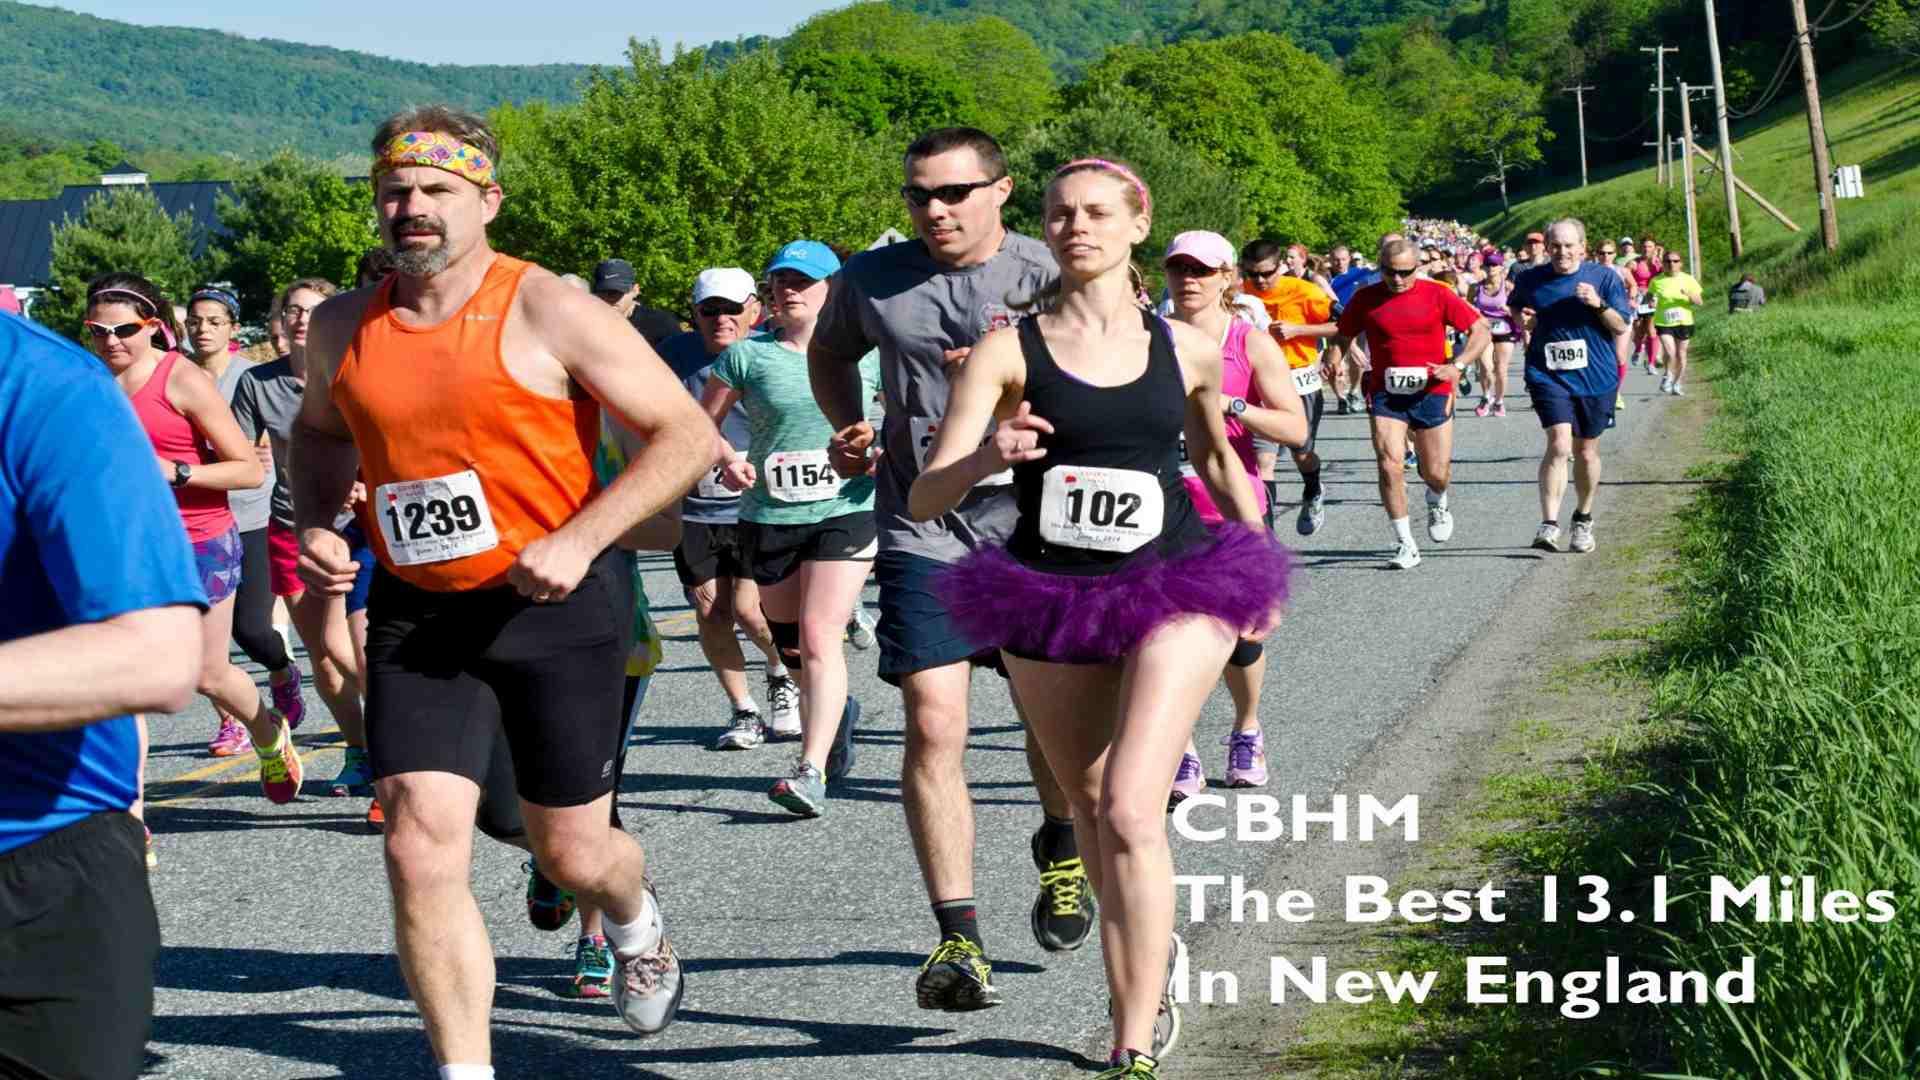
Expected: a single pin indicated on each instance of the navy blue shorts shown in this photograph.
(363, 554)
(1418, 411)
(1588, 413)
(915, 631)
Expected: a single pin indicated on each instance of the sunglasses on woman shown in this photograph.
(123, 331)
(1191, 269)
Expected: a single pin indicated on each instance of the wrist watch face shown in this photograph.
(1237, 406)
(181, 473)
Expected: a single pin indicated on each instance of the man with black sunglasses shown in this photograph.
(709, 560)
(923, 303)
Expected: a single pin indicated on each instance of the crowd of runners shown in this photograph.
(445, 474)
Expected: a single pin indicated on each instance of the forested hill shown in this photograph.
(77, 77)
(1074, 33)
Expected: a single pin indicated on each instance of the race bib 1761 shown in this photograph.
(1406, 380)
(436, 520)
(1094, 509)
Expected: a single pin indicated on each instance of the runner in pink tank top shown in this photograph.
(1258, 397)
(204, 510)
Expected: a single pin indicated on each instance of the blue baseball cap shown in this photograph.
(810, 257)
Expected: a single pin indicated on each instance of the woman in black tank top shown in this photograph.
(1112, 602)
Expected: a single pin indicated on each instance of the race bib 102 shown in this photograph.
(430, 521)
(923, 429)
(1094, 509)
(1405, 380)
(1566, 355)
(801, 476)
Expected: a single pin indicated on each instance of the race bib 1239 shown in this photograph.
(430, 521)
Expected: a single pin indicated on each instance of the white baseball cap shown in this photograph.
(725, 282)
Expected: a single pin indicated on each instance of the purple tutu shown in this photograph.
(1239, 576)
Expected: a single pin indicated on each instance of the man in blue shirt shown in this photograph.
(1578, 309)
(1344, 355)
(100, 613)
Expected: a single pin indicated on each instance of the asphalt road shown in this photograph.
(801, 938)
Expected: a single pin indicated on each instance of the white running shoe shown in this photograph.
(1679, 391)
(1406, 557)
(1666, 384)
(1439, 524)
(1582, 538)
(745, 732)
(860, 631)
(1547, 537)
(1313, 514)
(647, 988)
(783, 708)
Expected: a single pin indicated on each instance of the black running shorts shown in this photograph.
(444, 669)
(707, 553)
(78, 938)
(774, 552)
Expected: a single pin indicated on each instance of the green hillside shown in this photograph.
(78, 78)
(1872, 111)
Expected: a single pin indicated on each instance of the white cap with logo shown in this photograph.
(726, 282)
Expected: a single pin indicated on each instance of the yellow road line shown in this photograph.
(329, 741)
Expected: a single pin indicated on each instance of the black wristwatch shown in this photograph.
(1236, 406)
(182, 472)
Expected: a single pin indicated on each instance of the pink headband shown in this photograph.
(1140, 189)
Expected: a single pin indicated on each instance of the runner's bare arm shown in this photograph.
(1283, 418)
(1479, 340)
(988, 385)
(322, 457)
(601, 352)
(661, 532)
(1209, 452)
(198, 398)
(833, 367)
(142, 661)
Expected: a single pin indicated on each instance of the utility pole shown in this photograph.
(1580, 105)
(1686, 172)
(1660, 106)
(1726, 140)
(1816, 129)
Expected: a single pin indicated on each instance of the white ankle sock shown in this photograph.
(640, 935)
(466, 1072)
(1436, 499)
(1401, 530)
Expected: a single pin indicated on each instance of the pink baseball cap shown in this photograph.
(1205, 248)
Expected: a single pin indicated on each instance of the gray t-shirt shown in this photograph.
(686, 354)
(913, 309)
(249, 505)
(268, 399)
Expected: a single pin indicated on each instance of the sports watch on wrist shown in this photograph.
(1236, 406)
(182, 472)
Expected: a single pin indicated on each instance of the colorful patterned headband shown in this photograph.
(436, 150)
(1124, 173)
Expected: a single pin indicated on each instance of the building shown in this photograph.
(26, 225)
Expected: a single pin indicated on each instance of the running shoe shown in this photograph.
(1064, 912)
(746, 732)
(230, 740)
(1342, 406)
(804, 793)
(1500, 408)
(956, 978)
(376, 817)
(1405, 557)
(647, 988)
(1619, 402)
(356, 774)
(1439, 524)
(280, 771)
(1354, 399)
(1166, 1023)
(286, 698)
(783, 707)
(1650, 368)
(592, 968)
(1581, 540)
(1547, 537)
(1679, 391)
(840, 756)
(1130, 1065)
(860, 631)
(1466, 385)
(1188, 780)
(548, 905)
(1411, 461)
(1246, 758)
(1313, 514)
(1485, 406)
(1666, 384)
(153, 861)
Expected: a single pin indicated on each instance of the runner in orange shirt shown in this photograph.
(1302, 314)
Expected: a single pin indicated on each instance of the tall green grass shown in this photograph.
(1795, 668)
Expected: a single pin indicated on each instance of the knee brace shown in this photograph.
(786, 638)
(1246, 653)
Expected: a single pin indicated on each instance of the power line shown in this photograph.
(1857, 12)
(1774, 85)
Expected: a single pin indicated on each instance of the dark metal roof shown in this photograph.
(26, 226)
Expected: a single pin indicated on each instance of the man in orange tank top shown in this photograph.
(467, 388)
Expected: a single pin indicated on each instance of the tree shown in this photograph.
(1505, 135)
(677, 166)
(1187, 193)
(126, 231)
(882, 95)
(1312, 157)
(291, 218)
(1895, 24)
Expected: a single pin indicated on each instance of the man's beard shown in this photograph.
(421, 261)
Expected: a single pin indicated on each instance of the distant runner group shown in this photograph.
(446, 472)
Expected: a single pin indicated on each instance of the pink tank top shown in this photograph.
(204, 511)
(1236, 380)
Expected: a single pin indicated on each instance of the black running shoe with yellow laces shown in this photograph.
(1063, 913)
(956, 978)
(1130, 1065)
